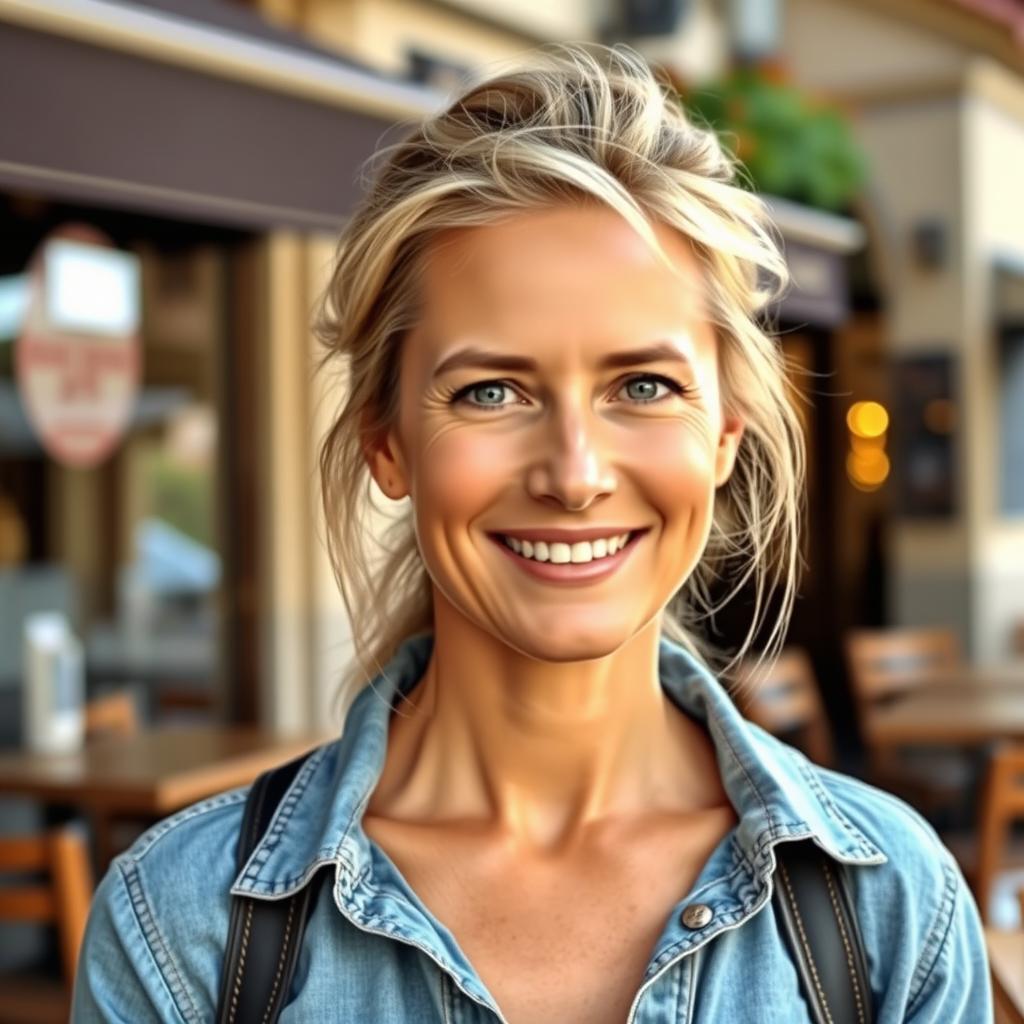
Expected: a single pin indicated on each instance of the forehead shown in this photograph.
(562, 276)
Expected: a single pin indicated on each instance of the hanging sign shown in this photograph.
(78, 355)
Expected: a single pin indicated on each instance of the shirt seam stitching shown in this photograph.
(832, 809)
(691, 996)
(149, 840)
(935, 945)
(271, 840)
(720, 920)
(383, 918)
(717, 727)
(152, 936)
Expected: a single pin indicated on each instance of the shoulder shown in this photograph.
(158, 925)
(159, 919)
(902, 833)
(919, 921)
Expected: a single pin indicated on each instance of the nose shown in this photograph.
(574, 468)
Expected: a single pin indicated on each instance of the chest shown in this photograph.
(566, 940)
(577, 955)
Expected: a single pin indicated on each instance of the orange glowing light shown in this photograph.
(867, 469)
(867, 419)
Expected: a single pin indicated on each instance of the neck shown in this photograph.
(541, 751)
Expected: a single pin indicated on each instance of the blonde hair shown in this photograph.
(569, 123)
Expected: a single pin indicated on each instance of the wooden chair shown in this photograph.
(112, 714)
(884, 663)
(61, 857)
(1002, 803)
(783, 697)
(62, 900)
(1006, 962)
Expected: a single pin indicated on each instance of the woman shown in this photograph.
(544, 807)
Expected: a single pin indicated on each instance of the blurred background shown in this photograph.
(173, 174)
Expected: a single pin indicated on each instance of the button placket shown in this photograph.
(696, 916)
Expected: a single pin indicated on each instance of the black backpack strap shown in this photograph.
(264, 935)
(815, 912)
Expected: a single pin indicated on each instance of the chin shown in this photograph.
(563, 645)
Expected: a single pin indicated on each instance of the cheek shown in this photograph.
(677, 467)
(459, 472)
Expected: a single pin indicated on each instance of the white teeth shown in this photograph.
(561, 553)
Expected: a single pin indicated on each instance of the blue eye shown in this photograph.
(486, 394)
(645, 387)
(494, 394)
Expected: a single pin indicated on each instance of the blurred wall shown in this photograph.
(943, 128)
(993, 153)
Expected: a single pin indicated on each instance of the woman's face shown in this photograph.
(561, 385)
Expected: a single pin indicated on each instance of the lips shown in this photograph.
(566, 535)
(575, 563)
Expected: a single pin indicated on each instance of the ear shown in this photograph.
(384, 459)
(728, 445)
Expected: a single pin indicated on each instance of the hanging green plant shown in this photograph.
(790, 145)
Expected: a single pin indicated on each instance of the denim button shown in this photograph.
(696, 915)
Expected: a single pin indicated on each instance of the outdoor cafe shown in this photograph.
(165, 637)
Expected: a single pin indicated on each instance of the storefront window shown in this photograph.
(130, 548)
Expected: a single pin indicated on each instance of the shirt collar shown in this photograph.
(776, 792)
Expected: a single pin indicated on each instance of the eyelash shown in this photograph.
(459, 394)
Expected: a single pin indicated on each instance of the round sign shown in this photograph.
(78, 355)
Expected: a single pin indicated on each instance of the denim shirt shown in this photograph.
(374, 952)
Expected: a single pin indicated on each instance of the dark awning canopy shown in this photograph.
(816, 245)
(203, 110)
(226, 119)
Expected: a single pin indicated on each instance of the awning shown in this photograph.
(192, 108)
(201, 109)
(816, 245)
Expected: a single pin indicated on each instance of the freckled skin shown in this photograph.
(539, 742)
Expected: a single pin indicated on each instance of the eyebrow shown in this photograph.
(478, 358)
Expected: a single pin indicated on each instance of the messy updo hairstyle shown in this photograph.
(568, 123)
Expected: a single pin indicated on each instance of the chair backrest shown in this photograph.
(112, 714)
(783, 697)
(61, 899)
(886, 662)
(1002, 803)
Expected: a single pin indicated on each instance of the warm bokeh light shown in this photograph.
(866, 444)
(867, 468)
(867, 419)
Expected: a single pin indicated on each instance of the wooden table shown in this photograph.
(148, 775)
(962, 706)
(1006, 960)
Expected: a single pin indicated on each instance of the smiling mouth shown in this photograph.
(565, 553)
